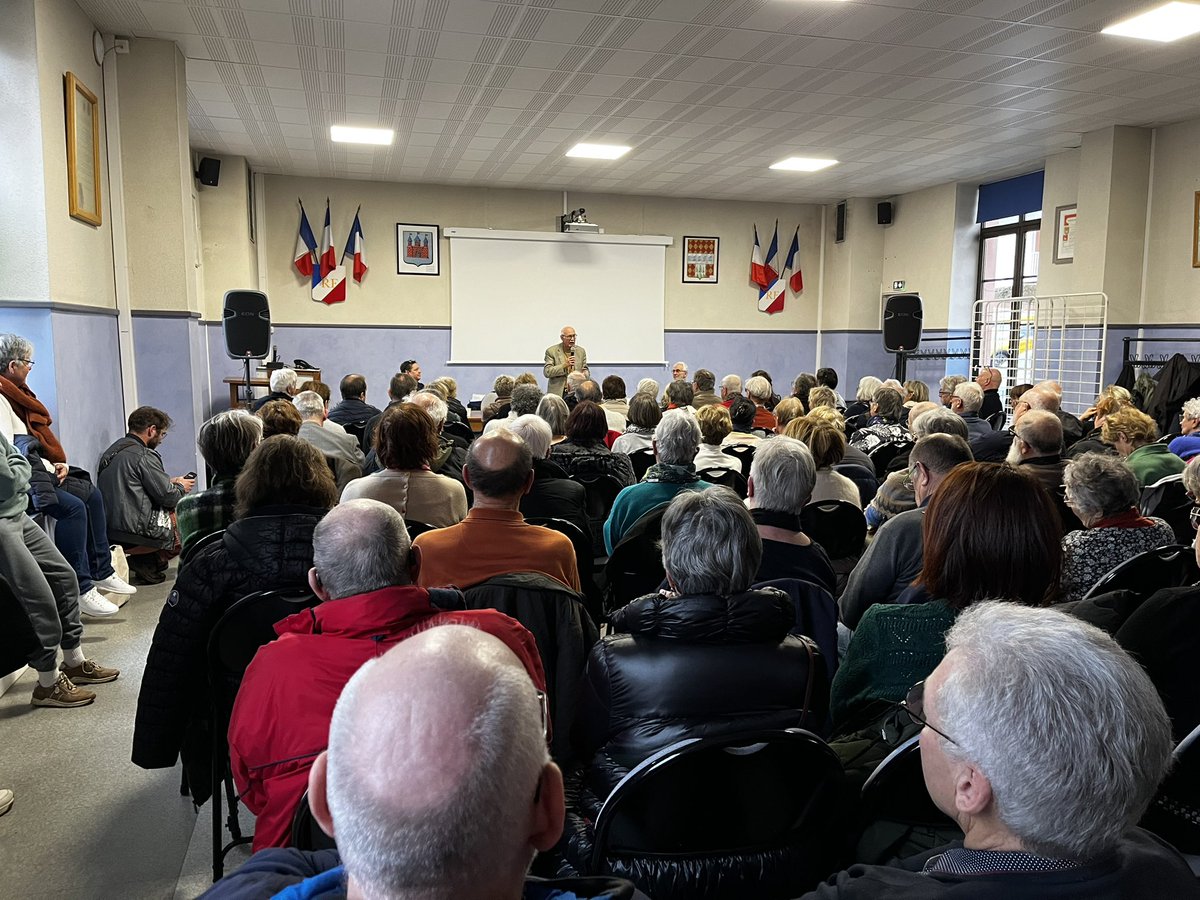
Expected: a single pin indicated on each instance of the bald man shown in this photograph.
(1072, 427)
(562, 359)
(494, 538)
(436, 782)
(989, 380)
(1036, 450)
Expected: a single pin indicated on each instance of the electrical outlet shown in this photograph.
(121, 45)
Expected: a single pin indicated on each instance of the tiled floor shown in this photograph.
(87, 823)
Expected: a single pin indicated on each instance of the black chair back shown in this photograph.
(357, 430)
(583, 561)
(642, 460)
(997, 420)
(839, 527)
(1175, 813)
(196, 545)
(743, 453)
(882, 455)
(601, 491)
(760, 792)
(635, 567)
(816, 616)
(306, 833)
(864, 479)
(415, 528)
(730, 478)
(1168, 500)
(459, 430)
(1171, 566)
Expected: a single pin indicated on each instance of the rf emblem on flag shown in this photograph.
(332, 288)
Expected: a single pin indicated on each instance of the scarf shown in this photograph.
(1131, 518)
(33, 413)
(668, 474)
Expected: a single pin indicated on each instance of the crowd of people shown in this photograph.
(420, 725)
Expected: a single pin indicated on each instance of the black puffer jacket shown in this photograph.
(588, 458)
(268, 550)
(681, 667)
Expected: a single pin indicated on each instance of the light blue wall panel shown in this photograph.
(88, 372)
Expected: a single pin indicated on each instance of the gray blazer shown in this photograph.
(556, 368)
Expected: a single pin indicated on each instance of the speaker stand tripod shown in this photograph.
(901, 366)
(249, 388)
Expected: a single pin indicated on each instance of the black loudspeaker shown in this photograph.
(246, 322)
(883, 213)
(209, 171)
(902, 317)
(839, 234)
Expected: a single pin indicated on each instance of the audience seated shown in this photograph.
(1072, 427)
(584, 453)
(989, 381)
(703, 384)
(836, 419)
(802, 386)
(787, 410)
(140, 498)
(827, 443)
(502, 387)
(342, 449)
(772, 398)
(553, 495)
(47, 591)
(827, 377)
(1110, 400)
(1187, 444)
(883, 423)
(988, 532)
(1037, 451)
(896, 494)
(1046, 743)
(1103, 492)
(709, 656)
(494, 538)
(676, 441)
(322, 390)
(731, 386)
(282, 492)
(822, 396)
(966, 402)
(555, 411)
(615, 403)
(1133, 434)
(450, 386)
(758, 390)
(226, 442)
(406, 444)
(715, 426)
(867, 386)
(399, 388)
(363, 574)
(412, 368)
(644, 416)
(574, 381)
(895, 555)
(946, 388)
(780, 485)
(648, 386)
(742, 414)
(280, 417)
(353, 409)
(451, 455)
(67, 496)
(679, 395)
(284, 385)
(461, 733)
(915, 392)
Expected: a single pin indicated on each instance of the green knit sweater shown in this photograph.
(894, 647)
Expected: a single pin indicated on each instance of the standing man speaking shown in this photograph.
(562, 359)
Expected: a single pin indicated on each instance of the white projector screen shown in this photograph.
(511, 292)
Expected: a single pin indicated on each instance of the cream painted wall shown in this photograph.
(918, 249)
(1172, 284)
(230, 260)
(79, 255)
(1061, 189)
(158, 221)
(1125, 237)
(387, 298)
(853, 269)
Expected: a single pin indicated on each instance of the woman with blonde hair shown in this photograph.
(1133, 434)
(827, 443)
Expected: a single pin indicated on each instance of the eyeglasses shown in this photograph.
(28, 362)
(912, 708)
(544, 709)
(1194, 518)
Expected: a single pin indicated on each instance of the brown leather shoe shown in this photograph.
(89, 672)
(62, 694)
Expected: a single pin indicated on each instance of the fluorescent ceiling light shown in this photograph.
(344, 134)
(803, 164)
(1166, 23)
(598, 151)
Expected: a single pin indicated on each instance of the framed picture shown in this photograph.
(1064, 234)
(417, 250)
(700, 257)
(83, 151)
(1196, 232)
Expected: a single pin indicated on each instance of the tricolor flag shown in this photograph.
(331, 288)
(306, 247)
(771, 294)
(328, 257)
(758, 274)
(356, 249)
(792, 273)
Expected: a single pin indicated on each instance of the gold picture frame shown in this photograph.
(83, 151)
(1196, 232)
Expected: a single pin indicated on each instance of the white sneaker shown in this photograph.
(92, 604)
(115, 584)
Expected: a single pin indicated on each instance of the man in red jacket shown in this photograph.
(364, 574)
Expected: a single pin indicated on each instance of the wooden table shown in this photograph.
(238, 382)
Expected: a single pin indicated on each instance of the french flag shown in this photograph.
(328, 254)
(356, 249)
(792, 273)
(771, 294)
(306, 247)
(758, 272)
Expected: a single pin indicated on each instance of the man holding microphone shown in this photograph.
(562, 359)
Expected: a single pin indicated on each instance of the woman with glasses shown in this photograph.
(1103, 492)
(989, 532)
(1134, 435)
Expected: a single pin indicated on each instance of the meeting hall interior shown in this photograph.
(797, 399)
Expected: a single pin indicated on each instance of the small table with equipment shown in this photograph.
(237, 384)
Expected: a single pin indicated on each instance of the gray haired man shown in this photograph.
(1045, 742)
(341, 449)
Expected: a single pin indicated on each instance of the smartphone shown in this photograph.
(191, 476)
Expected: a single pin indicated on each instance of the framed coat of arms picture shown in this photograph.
(417, 250)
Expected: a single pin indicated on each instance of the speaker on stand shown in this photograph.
(246, 325)
(902, 320)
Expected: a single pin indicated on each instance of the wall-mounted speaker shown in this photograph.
(883, 213)
(902, 320)
(246, 323)
(209, 171)
(839, 232)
